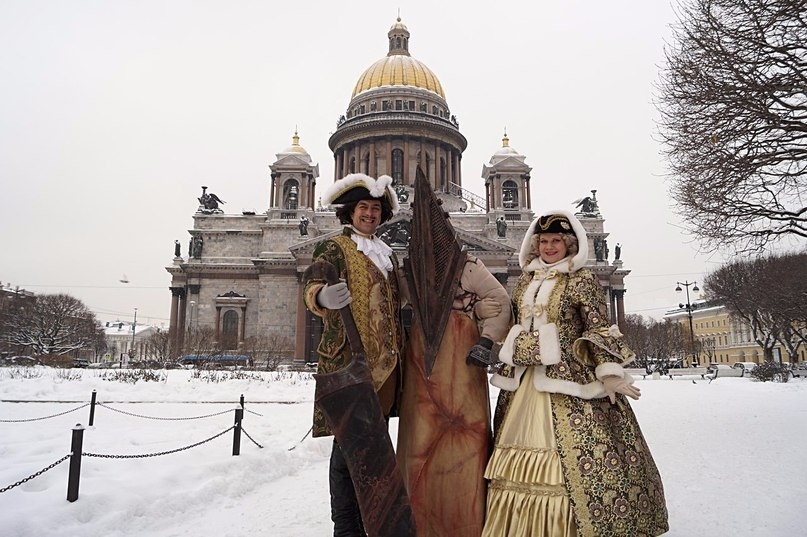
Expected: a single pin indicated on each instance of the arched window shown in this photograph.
(510, 195)
(443, 176)
(352, 165)
(366, 163)
(229, 330)
(291, 193)
(397, 166)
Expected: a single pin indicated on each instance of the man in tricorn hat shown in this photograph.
(369, 283)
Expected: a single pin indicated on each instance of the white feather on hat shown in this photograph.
(377, 188)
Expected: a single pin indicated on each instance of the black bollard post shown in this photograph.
(242, 400)
(92, 407)
(75, 463)
(239, 415)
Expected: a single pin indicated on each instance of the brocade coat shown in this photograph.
(376, 308)
(610, 477)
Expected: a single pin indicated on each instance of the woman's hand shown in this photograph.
(615, 384)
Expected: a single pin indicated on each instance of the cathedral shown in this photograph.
(241, 281)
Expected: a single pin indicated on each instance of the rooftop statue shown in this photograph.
(209, 203)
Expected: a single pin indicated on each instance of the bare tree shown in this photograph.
(270, 350)
(768, 294)
(158, 346)
(733, 121)
(52, 324)
(659, 345)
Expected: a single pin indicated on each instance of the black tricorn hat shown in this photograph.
(357, 187)
(554, 223)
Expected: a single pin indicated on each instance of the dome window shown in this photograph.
(397, 166)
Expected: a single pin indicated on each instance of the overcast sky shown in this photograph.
(114, 113)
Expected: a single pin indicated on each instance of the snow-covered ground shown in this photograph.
(728, 452)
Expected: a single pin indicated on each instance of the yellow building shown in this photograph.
(723, 339)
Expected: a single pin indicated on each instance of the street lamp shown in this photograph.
(688, 307)
(134, 328)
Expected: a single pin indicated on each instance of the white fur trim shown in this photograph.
(542, 383)
(609, 369)
(508, 384)
(506, 352)
(579, 260)
(377, 188)
(549, 342)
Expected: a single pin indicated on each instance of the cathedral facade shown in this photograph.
(240, 284)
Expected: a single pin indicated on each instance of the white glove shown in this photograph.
(487, 308)
(615, 384)
(334, 297)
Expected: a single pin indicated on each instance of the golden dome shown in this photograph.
(398, 68)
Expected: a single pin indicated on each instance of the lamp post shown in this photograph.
(688, 307)
(134, 329)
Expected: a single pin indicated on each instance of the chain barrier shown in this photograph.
(253, 412)
(164, 419)
(146, 455)
(253, 440)
(45, 417)
(37, 474)
(301, 440)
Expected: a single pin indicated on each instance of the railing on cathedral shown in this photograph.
(456, 190)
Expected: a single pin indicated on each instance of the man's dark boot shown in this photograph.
(344, 506)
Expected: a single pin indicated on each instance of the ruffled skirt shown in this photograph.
(527, 495)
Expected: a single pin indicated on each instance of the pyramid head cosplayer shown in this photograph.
(444, 420)
(433, 267)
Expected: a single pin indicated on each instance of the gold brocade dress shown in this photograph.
(527, 495)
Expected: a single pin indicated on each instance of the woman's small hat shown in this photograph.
(554, 223)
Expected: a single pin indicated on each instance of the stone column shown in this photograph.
(406, 178)
(242, 326)
(183, 305)
(373, 171)
(172, 324)
(301, 332)
(620, 308)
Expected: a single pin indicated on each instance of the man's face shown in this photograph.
(367, 216)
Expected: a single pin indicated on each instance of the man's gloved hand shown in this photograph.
(479, 355)
(487, 308)
(615, 384)
(334, 297)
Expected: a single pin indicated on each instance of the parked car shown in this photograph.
(747, 367)
(81, 362)
(216, 360)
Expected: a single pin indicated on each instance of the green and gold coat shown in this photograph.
(376, 308)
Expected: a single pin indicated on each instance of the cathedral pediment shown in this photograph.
(291, 161)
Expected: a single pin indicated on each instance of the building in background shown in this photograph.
(721, 338)
(125, 345)
(240, 283)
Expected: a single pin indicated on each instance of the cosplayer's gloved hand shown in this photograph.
(487, 308)
(479, 355)
(334, 297)
(615, 384)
